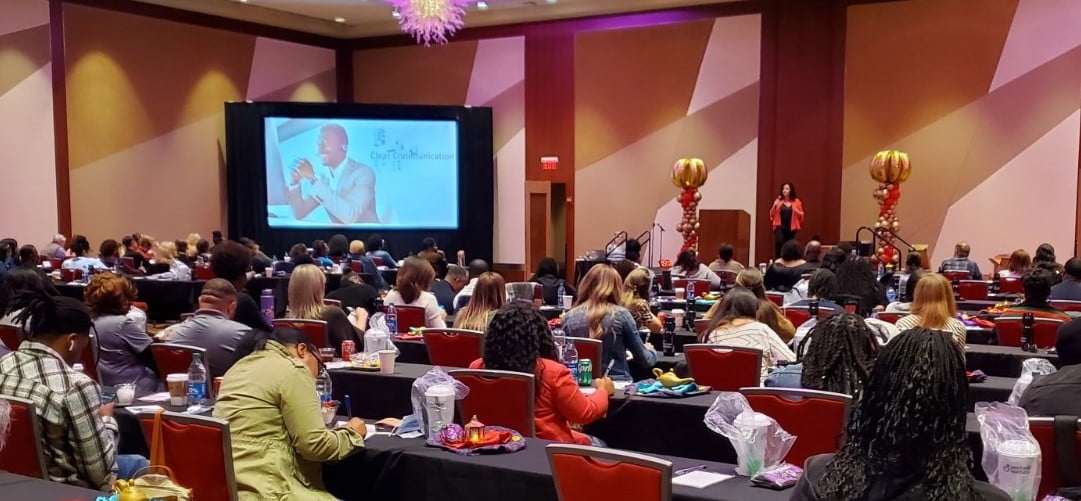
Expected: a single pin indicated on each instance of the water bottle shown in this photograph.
(668, 338)
(655, 290)
(689, 318)
(690, 290)
(323, 387)
(197, 381)
(392, 319)
(266, 303)
(891, 294)
(560, 339)
(570, 359)
(881, 270)
(560, 292)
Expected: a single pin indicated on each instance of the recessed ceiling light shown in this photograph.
(482, 5)
(339, 20)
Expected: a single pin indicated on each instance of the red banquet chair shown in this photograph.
(176, 359)
(891, 317)
(1045, 331)
(377, 260)
(453, 347)
(776, 298)
(972, 290)
(1065, 305)
(725, 368)
(538, 293)
(956, 275)
(409, 317)
(817, 417)
(197, 449)
(22, 454)
(1010, 285)
(356, 267)
(315, 329)
(1043, 430)
(502, 398)
(591, 349)
(11, 336)
(800, 314)
(700, 286)
(580, 472)
(204, 273)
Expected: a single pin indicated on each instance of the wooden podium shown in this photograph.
(719, 226)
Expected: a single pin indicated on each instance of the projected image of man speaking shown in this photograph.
(344, 187)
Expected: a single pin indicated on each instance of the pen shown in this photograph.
(609, 368)
(348, 406)
(688, 470)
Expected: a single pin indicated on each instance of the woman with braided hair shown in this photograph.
(518, 339)
(906, 438)
(839, 359)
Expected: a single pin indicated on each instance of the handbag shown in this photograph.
(157, 481)
(1066, 449)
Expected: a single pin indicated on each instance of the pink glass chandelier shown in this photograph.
(430, 20)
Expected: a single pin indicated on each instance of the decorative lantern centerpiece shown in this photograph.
(474, 431)
(890, 168)
(689, 174)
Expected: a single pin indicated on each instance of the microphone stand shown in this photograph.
(660, 243)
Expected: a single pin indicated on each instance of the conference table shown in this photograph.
(26, 488)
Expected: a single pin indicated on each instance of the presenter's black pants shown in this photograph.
(780, 236)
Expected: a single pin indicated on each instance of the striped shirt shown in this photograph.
(953, 327)
(755, 335)
(79, 445)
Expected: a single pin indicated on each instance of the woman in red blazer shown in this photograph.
(518, 339)
(786, 216)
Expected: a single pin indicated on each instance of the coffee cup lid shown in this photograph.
(1018, 448)
(440, 390)
(175, 378)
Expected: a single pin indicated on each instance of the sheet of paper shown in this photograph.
(621, 385)
(336, 365)
(155, 397)
(369, 431)
(136, 409)
(586, 390)
(700, 479)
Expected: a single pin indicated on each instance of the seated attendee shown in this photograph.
(79, 434)
(913, 268)
(961, 262)
(131, 250)
(414, 280)
(856, 280)
(734, 324)
(634, 254)
(812, 255)
(768, 313)
(429, 249)
(298, 255)
(1017, 266)
(839, 360)
(259, 261)
(192, 241)
(821, 287)
(122, 342)
(212, 327)
(232, 261)
(376, 248)
(182, 253)
(278, 434)
(307, 286)
(166, 265)
(28, 260)
(56, 248)
(1070, 287)
(202, 250)
(624, 268)
(319, 254)
(477, 267)
(903, 304)
(19, 281)
(356, 253)
(354, 293)
(216, 238)
(446, 287)
(489, 295)
(687, 266)
(147, 247)
(81, 260)
(338, 247)
(1037, 285)
(109, 253)
(906, 438)
(786, 270)
(599, 314)
(933, 307)
(833, 259)
(7, 258)
(1045, 258)
(518, 339)
(725, 260)
(1056, 394)
(636, 300)
(547, 276)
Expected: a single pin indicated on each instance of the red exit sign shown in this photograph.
(549, 163)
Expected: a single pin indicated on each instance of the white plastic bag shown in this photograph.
(1011, 455)
(759, 441)
(414, 424)
(1030, 368)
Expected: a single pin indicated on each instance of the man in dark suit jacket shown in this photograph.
(1070, 287)
(345, 188)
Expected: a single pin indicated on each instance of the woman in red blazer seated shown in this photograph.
(786, 216)
(518, 339)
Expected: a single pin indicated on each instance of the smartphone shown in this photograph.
(107, 397)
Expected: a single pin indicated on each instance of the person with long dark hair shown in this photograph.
(488, 297)
(785, 216)
(839, 360)
(687, 266)
(376, 248)
(856, 280)
(518, 339)
(734, 324)
(788, 269)
(547, 275)
(275, 421)
(80, 246)
(906, 439)
(1045, 258)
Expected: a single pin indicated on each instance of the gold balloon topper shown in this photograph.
(689, 173)
(890, 166)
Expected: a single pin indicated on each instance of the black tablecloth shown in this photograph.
(979, 335)
(376, 395)
(26, 488)
(412, 351)
(394, 468)
(165, 299)
(1002, 361)
(971, 305)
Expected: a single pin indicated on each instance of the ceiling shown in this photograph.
(365, 18)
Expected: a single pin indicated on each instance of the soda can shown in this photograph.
(348, 348)
(585, 372)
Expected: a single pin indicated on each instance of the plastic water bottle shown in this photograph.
(560, 339)
(324, 387)
(891, 294)
(881, 271)
(570, 359)
(560, 292)
(266, 303)
(197, 381)
(668, 337)
(690, 290)
(392, 319)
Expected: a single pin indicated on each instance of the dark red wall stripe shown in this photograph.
(60, 116)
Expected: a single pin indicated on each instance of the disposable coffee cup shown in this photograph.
(178, 389)
(678, 314)
(681, 293)
(125, 394)
(268, 272)
(438, 407)
(386, 361)
(1018, 462)
(568, 302)
(751, 454)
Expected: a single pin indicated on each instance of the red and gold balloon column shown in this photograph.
(689, 174)
(890, 168)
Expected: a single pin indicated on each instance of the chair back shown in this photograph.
(22, 453)
(580, 472)
(315, 329)
(355, 266)
(817, 417)
(11, 336)
(332, 302)
(972, 290)
(591, 349)
(453, 347)
(377, 260)
(1065, 305)
(1010, 285)
(409, 317)
(728, 278)
(700, 325)
(776, 298)
(1043, 430)
(127, 262)
(700, 286)
(725, 368)
(956, 275)
(800, 314)
(538, 293)
(891, 317)
(502, 398)
(204, 273)
(198, 450)
(70, 275)
(55, 262)
(1045, 331)
(176, 359)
